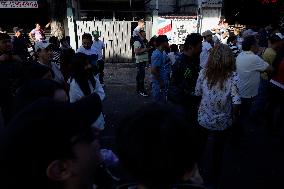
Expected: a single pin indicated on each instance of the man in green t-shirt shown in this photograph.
(141, 56)
(268, 56)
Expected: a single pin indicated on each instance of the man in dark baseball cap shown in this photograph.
(17, 29)
(50, 145)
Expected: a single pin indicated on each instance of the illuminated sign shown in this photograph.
(18, 4)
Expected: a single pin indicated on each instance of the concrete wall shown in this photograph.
(188, 6)
(210, 18)
(165, 6)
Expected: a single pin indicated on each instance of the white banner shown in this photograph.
(18, 4)
(182, 28)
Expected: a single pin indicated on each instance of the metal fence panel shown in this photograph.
(115, 34)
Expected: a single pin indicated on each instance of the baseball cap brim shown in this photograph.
(16, 29)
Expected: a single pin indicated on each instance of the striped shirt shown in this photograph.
(235, 49)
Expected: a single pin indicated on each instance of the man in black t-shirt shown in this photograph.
(185, 73)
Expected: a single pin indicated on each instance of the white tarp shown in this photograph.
(18, 4)
(182, 28)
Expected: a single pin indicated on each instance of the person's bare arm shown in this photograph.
(48, 25)
(269, 69)
(140, 51)
(31, 36)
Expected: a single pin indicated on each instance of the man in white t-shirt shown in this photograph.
(206, 48)
(44, 53)
(99, 46)
(249, 68)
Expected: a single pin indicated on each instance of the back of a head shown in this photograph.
(221, 64)
(192, 40)
(152, 41)
(36, 71)
(161, 39)
(53, 40)
(248, 43)
(34, 90)
(87, 36)
(41, 133)
(78, 63)
(157, 145)
(174, 48)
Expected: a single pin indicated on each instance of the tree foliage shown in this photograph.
(57, 12)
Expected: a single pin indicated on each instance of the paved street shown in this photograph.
(257, 164)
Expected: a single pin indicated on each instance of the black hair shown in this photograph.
(156, 145)
(34, 90)
(152, 41)
(274, 39)
(63, 39)
(80, 75)
(67, 57)
(28, 150)
(87, 36)
(36, 71)
(192, 40)
(161, 39)
(248, 43)
(174, 48)
(231, 39)
(53, 40)
(4, 36)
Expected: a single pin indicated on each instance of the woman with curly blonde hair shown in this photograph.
(218, 86)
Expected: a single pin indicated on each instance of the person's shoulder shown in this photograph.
(155, 53)
(80, 50)
(101, 42)
(269, 51)
(93, 51)
(207, 45)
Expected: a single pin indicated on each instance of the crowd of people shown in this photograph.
(211, 86)
(223, 80)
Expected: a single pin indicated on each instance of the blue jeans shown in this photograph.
(159, 95)
(260, 101)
